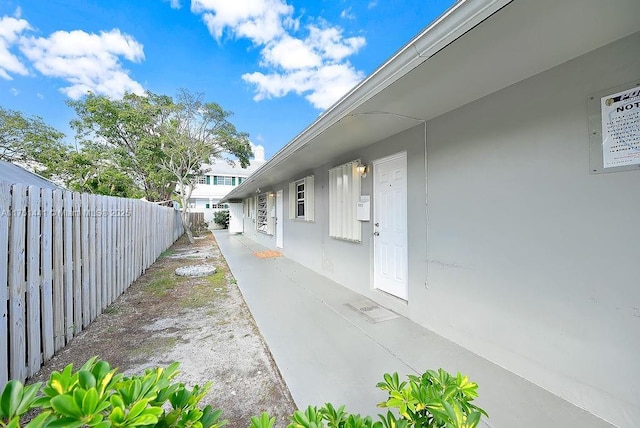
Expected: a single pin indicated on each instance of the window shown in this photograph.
(219, 206)
(344, 194)
(223, 180)
(240, 180)
(206, 205)
(265, 213)
(301, 199)
(201, 180)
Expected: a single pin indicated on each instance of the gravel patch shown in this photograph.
(202, 322)
(196, 271)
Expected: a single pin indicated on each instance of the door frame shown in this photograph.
(279, 219)
(375, 164)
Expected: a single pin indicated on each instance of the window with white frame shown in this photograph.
(201, 179)
(344, 195)
(301, 199)
(223, 180)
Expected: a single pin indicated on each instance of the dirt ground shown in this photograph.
(203, 323)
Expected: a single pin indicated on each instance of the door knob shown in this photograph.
(376, 233)
(377, 225)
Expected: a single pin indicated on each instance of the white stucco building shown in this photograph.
(219, 179)
(501, 199)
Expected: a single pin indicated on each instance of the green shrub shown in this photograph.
(221, 218)
(98, 396)
(432, 400)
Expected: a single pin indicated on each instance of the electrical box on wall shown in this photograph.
(363, 208)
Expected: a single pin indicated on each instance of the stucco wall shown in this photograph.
(348, 262)
(516, 251)
(533, 261)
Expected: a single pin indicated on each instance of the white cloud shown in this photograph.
(323, 86)
(39, 95)
(89, 62)
(347, 14)
(290, 53)
(313, 64)
(175, 4)
(332, 45)
(10, 30)
(14, 92)
(257, 20)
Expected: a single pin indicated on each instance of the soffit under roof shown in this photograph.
(521, 40)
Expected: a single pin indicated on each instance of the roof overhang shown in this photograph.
(476, 48)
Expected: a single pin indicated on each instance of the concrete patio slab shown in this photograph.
(328, 352)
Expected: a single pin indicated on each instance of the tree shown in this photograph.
(29, 141)
(88, 172)
(158, 144)
(199, 133)
(127, 136)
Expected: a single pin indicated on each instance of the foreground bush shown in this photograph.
(98, 396)
(432, 400)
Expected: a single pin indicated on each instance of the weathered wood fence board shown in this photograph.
(16, 283)
(5, 203)
(65, 257)
(46, 273)
(58, 269)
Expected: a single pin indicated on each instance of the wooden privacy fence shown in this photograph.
(64, 257)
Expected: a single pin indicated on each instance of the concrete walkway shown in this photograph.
(328, 352)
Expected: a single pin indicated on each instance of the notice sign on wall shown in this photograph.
(621, 128)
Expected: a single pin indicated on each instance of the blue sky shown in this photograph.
(276, 64)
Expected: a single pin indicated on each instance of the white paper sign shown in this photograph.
(621, 128)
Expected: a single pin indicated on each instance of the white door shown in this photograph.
(236, 218)
(279, 219)
(390, 225)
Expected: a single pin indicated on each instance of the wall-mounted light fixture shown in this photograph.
(362, 170)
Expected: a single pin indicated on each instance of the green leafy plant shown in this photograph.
(221, 218)
(15, 401)
(432, 400)
(97, 396)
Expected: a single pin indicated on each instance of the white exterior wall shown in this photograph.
(516, 251)
(537, 257)
(201, 207)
